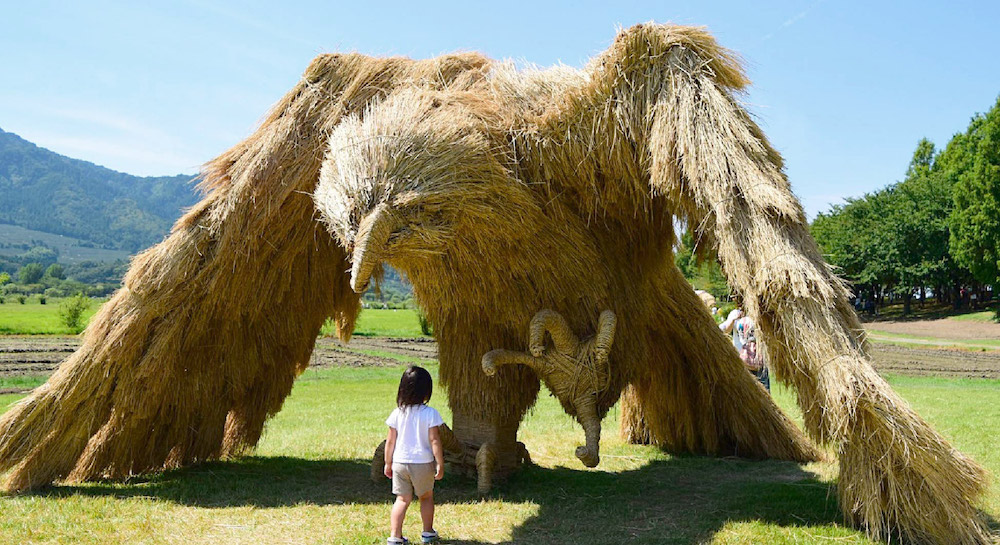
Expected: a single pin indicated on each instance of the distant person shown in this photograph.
(414, 455)
(745, 342)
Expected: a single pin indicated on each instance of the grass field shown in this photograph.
(33, 318)
(384, 323)
(982, 316)
(308, 483)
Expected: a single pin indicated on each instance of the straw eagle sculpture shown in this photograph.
(501, 194)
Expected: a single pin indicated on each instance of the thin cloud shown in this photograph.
(105, 152)
(108, 138)
(794, 19)
(107, 120)
(242, 18)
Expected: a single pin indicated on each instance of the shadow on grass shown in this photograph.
(678, 500)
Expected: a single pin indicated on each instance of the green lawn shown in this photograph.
(33, 318)
(984, 316)
(308, 483)
(385, 323)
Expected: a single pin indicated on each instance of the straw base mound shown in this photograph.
(917, 488)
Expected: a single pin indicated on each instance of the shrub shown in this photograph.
(21, 299)
(71, 311)
(33, 288)
(425, 325)
(41, 299)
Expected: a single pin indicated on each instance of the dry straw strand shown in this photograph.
(499, 193)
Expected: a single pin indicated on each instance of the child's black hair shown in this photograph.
(415, 387)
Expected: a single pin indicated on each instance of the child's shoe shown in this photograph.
(429, 537)
(397, 541)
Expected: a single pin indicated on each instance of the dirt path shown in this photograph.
(941, 328)
(422, 347)
(936, 362)
(34, 356)
(875, 336)
(39, 355)
(330, 352)
(29, 356)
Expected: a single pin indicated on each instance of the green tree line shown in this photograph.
(50, 279)
(936, 231)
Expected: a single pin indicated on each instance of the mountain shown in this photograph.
(45, 191)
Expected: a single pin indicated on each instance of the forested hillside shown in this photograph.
(45, 191)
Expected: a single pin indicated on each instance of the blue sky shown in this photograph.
(843, 89)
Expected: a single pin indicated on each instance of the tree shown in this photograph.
(31, 273)
(858, 238)
(975, 220)
(919, 225)
(700, 267)
(56, 271)
(4, 278)
(897, 239)
(43, 255)
(71, 311)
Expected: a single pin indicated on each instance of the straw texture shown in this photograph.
(501, 193)
(201, 345)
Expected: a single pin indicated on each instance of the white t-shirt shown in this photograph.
(412, 424)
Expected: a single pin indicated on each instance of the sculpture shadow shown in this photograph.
(682, 499)
(678, 500)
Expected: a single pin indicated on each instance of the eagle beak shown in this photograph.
(370, 245)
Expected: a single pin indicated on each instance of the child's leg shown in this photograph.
(427, 511)
(399, 513)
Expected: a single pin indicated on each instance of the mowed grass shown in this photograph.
(981, 316)
(33, 318)
(385, 323)
(308, 482)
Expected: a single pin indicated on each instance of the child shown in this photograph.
(414, 457)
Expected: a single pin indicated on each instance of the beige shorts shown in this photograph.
(413, 479)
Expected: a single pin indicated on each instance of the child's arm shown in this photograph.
(390, 447)
(438, 449)
(727, 325)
